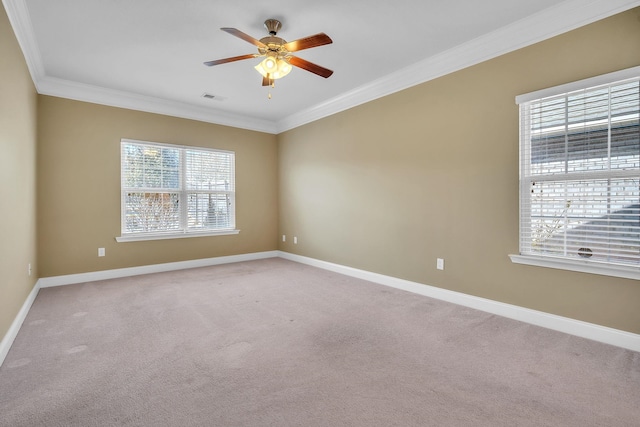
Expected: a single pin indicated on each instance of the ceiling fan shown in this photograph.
(277, 53)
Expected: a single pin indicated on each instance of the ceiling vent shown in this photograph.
(212, 96)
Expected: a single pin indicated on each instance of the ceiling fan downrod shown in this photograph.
(272, 26)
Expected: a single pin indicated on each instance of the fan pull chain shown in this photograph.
(273, 85)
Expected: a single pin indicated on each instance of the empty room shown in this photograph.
(320, 214)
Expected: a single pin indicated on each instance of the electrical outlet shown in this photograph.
(295, 240)
(284, 237)
(101, 252)
(440, 264)
(29, 269)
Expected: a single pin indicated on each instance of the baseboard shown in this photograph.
(93, 276)
(47, 282)
(578, 328)
(567, 325)
(12, 333)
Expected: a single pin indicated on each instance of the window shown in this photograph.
(171, 191)
(580, 175)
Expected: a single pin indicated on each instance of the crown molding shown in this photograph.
(548, 23)
(566, 16)
(132, 101)
(18, 14)
(20, 20)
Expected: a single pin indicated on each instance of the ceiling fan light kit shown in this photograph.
(273, 68)
(278, 60)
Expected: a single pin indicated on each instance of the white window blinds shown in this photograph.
(169, 189)
(210, 188)
(580, 174)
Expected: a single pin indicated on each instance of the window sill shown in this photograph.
(593, 267)
(166, 236)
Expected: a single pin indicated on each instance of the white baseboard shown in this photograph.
(12, 333)
(578, 328)
(47, 282)
(93, 276)
(567, 325)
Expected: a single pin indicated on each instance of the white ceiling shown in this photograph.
(148, 54)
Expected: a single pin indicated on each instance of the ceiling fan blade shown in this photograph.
(308, 42)
(232, 59)
(244, 36)
(310, 66)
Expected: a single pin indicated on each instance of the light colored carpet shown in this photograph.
(276, 343)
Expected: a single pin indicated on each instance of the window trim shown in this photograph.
(593, 267)
(181, 234)
(549, 261)
(603, 79)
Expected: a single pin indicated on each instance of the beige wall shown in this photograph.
(432, 171)
(17, 177)
(79, 187)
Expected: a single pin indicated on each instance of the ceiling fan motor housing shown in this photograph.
(273, 44)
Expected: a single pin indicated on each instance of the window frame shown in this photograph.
(613, 269)
(183, 193)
